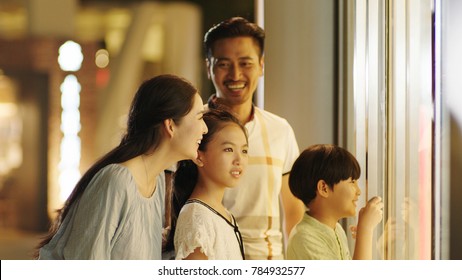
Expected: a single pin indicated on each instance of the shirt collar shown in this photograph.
(213, 104)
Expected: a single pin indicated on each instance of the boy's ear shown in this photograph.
(169, 127)
(323, 188)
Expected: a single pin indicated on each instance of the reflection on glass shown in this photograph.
(393, 120)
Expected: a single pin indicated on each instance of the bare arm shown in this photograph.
(293, 207)
(168, 207)
(168, 198)
(196, 255)
(368, 218)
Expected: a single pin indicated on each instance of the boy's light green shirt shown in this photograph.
(313, 240)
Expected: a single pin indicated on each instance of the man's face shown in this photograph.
(234, 69)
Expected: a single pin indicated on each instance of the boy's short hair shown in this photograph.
(321, 162)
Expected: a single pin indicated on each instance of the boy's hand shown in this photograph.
(353, 230)
(371, 214)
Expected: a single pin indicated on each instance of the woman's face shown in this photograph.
(189, 131)
(225, 157)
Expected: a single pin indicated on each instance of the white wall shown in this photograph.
(299, 67)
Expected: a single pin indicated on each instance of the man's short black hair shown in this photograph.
(231, 28)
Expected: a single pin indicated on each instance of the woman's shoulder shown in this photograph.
(116, 176)
(113, 170)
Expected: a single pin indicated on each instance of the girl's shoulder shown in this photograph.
(194, 211)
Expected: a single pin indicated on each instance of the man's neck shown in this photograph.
(244, 112)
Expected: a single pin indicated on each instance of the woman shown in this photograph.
(116, 209)
(205, 229)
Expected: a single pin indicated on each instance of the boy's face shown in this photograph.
(234, 69)
(344, 197)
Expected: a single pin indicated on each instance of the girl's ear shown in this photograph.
(323, 188)
(169, 126)
(198, 161)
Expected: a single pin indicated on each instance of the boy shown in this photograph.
(325, 177)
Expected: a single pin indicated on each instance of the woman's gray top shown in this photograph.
(111, 220)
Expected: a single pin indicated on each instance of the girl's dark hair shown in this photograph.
(321, 162)
(232, 28)
(160, 98)
(186, 174)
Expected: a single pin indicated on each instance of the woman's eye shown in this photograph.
(228, 150)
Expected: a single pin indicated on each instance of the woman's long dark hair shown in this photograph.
(160, 98)
(186, 174)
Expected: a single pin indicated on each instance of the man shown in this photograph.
(234, 57)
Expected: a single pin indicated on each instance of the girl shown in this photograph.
(205, 229)
(116, 209)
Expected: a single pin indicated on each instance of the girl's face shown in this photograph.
(225, 157)
(190, 130)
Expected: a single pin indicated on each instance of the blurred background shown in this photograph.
(55, 99)
(378, 77)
